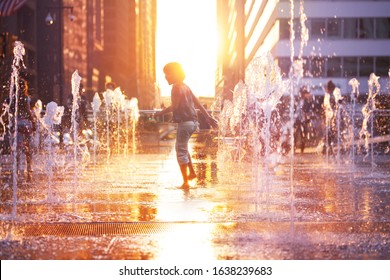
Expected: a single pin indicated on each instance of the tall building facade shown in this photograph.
(230, 60)
(146, 12)
(346, 39)
(105, 40)
(120, 45)
(18, 22)
(129, 53)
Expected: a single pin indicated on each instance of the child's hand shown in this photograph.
(213, 122)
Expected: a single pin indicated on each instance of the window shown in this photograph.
(284, 64)
(317, 29)
(366, 28)
(350, 28)
(382, 28)
(334, 27)
(382, 64)
(284, 29)
(366, 66)
(317, 66)
(333, 68)
(350, 67)
(306, 67)
(297, 28)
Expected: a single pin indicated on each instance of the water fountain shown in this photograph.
(108, 97)
(52, 157)
(253, 121)
(96, 103)
(253, 137)
(344, 129)
(12, 113)
(131, 110)
(118, 103)
(368, 110)
(76, 80)
(53, 116)
(354, 83)
(257, 100)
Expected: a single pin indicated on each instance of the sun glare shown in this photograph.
(186, 33)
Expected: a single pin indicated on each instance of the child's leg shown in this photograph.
(192, 174)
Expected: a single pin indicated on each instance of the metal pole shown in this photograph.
(60, 64)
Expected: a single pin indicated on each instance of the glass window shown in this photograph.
(383, 28)
(317, 66)
(350, 28)
(284, 64)
(297, 28)
(366, 28)
(333, 67)
(306, 67)
(284, 29)
(350, 67)
(334, 27)
(382, 65)
(366, 66)
(26, 24)
(317, 29)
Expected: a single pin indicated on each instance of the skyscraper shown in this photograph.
(346, 39)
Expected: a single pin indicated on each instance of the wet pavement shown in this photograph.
(129, 207)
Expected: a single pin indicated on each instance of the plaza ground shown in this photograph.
(129, 207)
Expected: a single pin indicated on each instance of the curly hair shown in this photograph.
(175, 69)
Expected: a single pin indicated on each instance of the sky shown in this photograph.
(186, 33)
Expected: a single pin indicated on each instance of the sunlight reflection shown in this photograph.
(175, 204)
(189, 241)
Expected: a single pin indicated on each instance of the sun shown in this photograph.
(186, 33)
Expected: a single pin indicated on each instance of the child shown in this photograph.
(183, 104)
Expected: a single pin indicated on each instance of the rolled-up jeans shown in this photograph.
(184, 132)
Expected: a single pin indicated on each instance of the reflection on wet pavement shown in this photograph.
(131, 208)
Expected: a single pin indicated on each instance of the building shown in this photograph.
(18, 22)
(129, 48)
(105, 40)
(146, 12)
(346, 39)
(230, 60)
(119, 45)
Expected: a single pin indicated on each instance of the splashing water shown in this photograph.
(108, 97)
(237, 111)
(343, 125)
(17, 63)
(338, 98)
(37, 110)
(96, 103)
(354, 83)
(328, 122)
(253, 121)
(46, 136)
(53, 115)
(76, 80)
(264, 89)
(118, 102)
(368, 111)
(131, 108)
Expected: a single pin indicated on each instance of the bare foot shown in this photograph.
(191, 176)
(185, 186)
